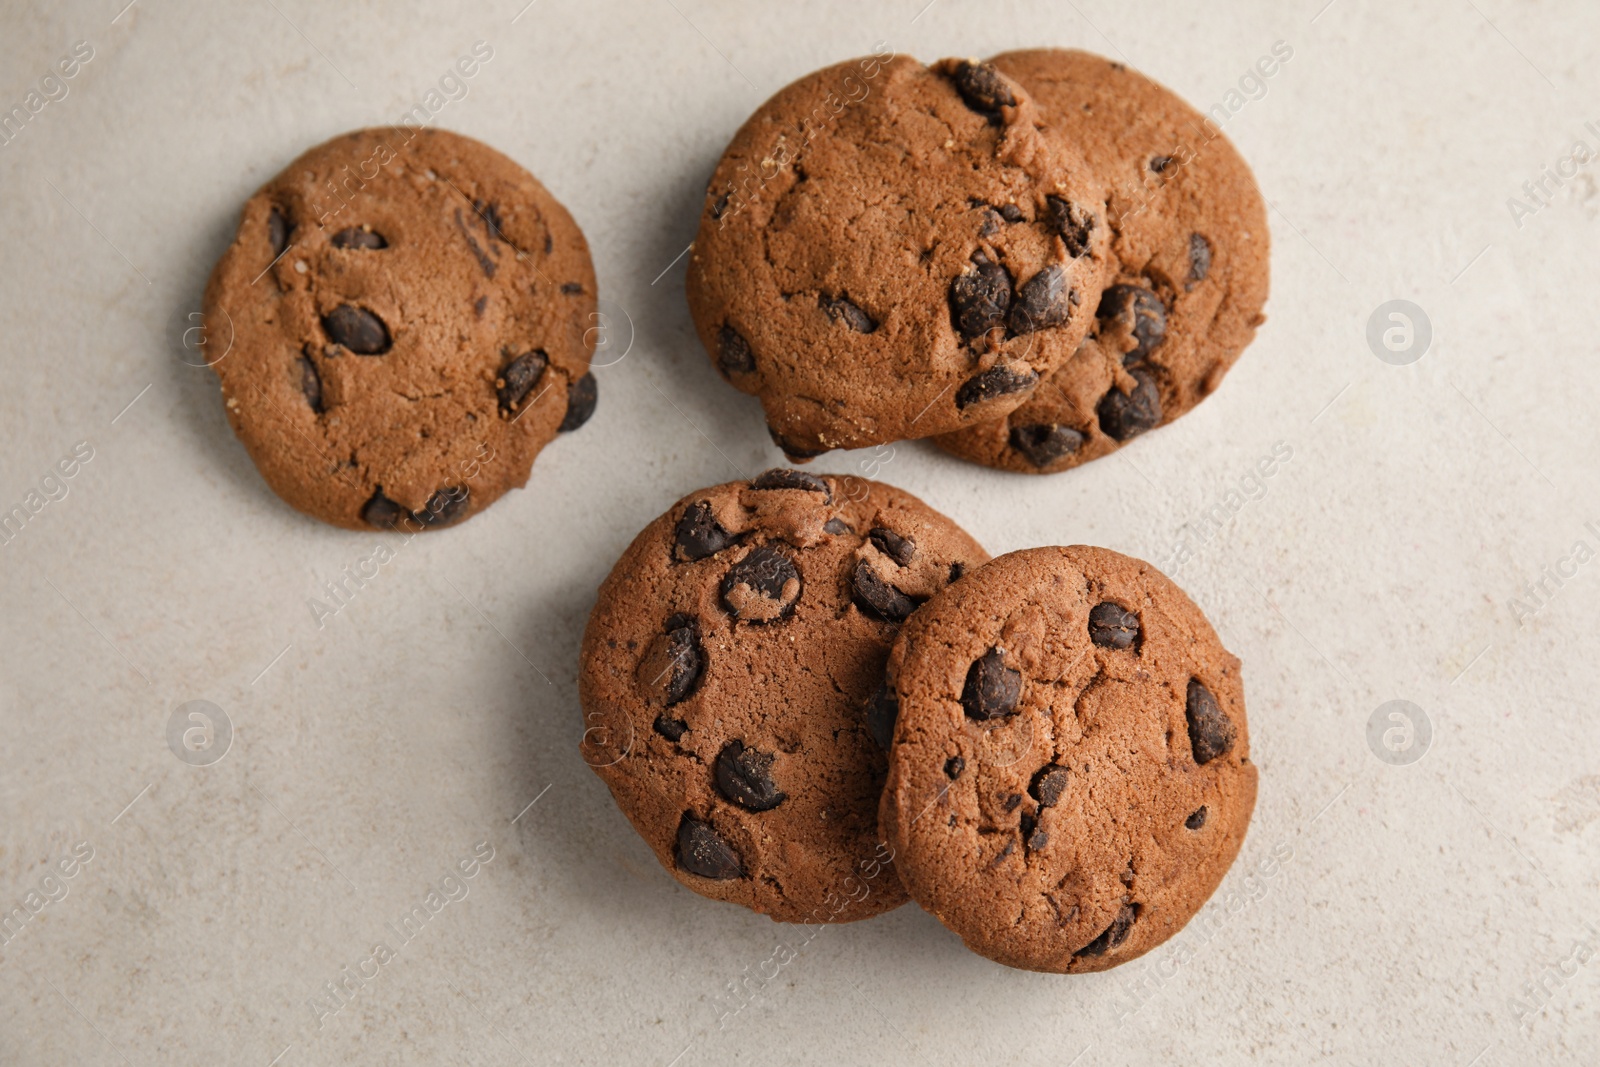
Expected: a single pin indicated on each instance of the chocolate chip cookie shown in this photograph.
(1070, 773)
(406, 315)
(727, 680)
(890, 251)
(1190, 246)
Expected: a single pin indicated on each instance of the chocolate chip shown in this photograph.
(1149, 323)
(444, 507)
(733, 352)
(702, 851)
(581, 400)
(1043, 301)
(672, 664)
(836, 526)
(356, 237)
(1113, 626)
(784, 478)
(953, 767)
(1011, 212)
(278, 229)
(1124, 416)
(744, 776)
(1011, 802)
(382, 512)
(518, 379)
(980, 297)
(357, 329)
(670, 728)
(1196, 819)
(992, 688)
(1042, 443)
(1036, 840)
(698, 534)
(549, 244)
(311, 384)
(571, 288)
(1114, 935)
(484, 262)
(877, 597)
(718, 206)
(795, 452)
(490, 214)
(882, 711)
(1073, 225)
(1002, 379)
(840, 309)
(1211, 732)
(1160, 163)
(991, 221)
(1199, 260)
(984, 88)
(957, 570)
(1048, 784)
(900, 549)
(762, 587)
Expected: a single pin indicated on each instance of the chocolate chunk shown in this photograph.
(1211, 732)
(702, 851)
(672, 664)
(581, 400)
(278, 229)
(718, 206)
(953, 767)
(1113, 626)
(1196, 819)
(490, 214)
(733, 352)
(1042, 443)
(1073, 225)
(1149, 322)
(1048, 784)
(840, 309)
(1002, 379)
(993, 689)
(744, 776)
(357, 329)
(1043, 301)
(311, 384)
(1123, 415)
(957, 570)
(877, 597)
(991, 221)
(1199, 260)
(1036, 840)
(762, 587)
(1114, 935)
(382, 512)
(698, 534)
(1011, 802)
(1159, 164)
(670, 728)
(518, 379)
(795, 452)
(984, 88)
(900, 549)
(444, 507)
(1011, 212)
(356, 237)
(484, 262)
(783, 478)
(980, 297)
(836, 526)
(882, 711)
(571, 288)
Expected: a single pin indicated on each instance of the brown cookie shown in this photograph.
(1070, 774)
(406, 314)
(1190, 249)
(890, 251)
(727, 679)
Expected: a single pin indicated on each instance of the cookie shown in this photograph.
(727, 677)
(406, 312)
(1070, 774)
(889, 251)
(1190, 249)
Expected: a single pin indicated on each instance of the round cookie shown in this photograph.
(1190, 247)
(405, 313)
(1070, 775)
(726, 675)
(890, 251)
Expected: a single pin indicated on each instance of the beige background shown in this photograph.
(1377, 913)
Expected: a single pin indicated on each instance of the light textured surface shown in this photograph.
(1377, 912)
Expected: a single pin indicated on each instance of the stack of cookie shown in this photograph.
(1031, 260)
(813, 695)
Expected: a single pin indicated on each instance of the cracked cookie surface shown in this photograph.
(405, 316)
(889, 251)
(1069, 778)
(727, 676)
(1190, 267)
